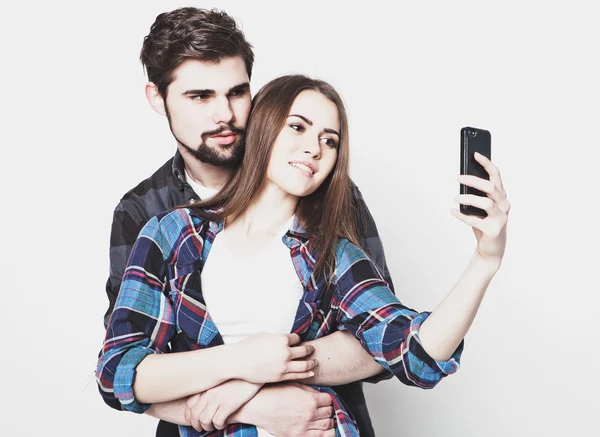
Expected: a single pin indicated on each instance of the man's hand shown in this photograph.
(290, 410)
(211, 409)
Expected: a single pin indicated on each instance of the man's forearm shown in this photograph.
(342, 360)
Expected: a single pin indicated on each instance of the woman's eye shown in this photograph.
(297, 127)
(329, 142)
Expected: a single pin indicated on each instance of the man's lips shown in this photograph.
(227, 137)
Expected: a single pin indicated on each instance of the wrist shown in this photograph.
(230, 367)
(247, 413)
(485, 264)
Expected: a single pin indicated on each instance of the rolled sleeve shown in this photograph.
(445, 367)
(388, 330)
(125, 377)
(142, 322)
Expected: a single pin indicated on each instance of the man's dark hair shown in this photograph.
(191, 33)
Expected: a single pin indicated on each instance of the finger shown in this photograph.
(196, 412)
(488, 187)
(472, 221)
(324, 413)
(485, 203)
(293, 339)
(301, 365)
(301, 351)
(187, 414)
(192, 400)
(322, 424)
(491, 169)
(206, 418)
(292, 376)
(324, 400)
(220, 418)
(195, 423)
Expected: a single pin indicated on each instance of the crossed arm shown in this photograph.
(341, 359)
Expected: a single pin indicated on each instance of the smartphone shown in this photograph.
(473, 140)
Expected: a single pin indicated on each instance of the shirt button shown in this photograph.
(192, 200)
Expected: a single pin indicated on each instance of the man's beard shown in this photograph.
(211, 155)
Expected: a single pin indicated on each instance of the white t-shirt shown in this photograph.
(203, 192)
(248, 294)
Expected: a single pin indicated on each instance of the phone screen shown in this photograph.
(474, 140)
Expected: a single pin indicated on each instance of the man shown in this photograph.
(199, 66)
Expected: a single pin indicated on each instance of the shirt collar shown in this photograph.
(297, 230)
(178, 169)
(295, 234)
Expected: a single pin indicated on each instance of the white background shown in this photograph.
(77, 133)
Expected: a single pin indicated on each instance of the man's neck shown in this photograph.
(207, 175)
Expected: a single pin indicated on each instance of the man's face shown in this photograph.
(207, 106)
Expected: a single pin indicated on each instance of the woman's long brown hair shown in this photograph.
(328, 213)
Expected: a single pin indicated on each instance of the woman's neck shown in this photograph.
(267, 213)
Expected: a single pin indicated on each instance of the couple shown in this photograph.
(199, 334)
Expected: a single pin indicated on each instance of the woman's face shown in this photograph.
(305, 151)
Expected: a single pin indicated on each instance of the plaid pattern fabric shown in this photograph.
(160, 308)
(166, 189)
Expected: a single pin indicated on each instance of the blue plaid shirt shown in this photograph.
(160, 308)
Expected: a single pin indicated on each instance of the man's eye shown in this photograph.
(200, 97)
(239, 93)
(297, 127)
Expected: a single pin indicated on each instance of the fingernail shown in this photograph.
(311, 374)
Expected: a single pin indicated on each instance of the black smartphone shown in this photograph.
(473, 140)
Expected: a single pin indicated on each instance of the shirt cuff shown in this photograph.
(445, 367)
(125, 376)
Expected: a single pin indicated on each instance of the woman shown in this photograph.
(290, 198)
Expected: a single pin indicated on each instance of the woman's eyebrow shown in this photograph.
(310, 123)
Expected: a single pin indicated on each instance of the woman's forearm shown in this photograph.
(445, 328)
(167, 377)
(172, 411)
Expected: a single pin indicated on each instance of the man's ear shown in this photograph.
(155, 99)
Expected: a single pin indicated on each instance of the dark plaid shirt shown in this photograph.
(166, 189)
(161, 308)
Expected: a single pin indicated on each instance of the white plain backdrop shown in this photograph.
(77, 133)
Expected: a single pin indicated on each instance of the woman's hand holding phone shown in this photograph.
(491, 230)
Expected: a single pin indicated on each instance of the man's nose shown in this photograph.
(222, 111)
